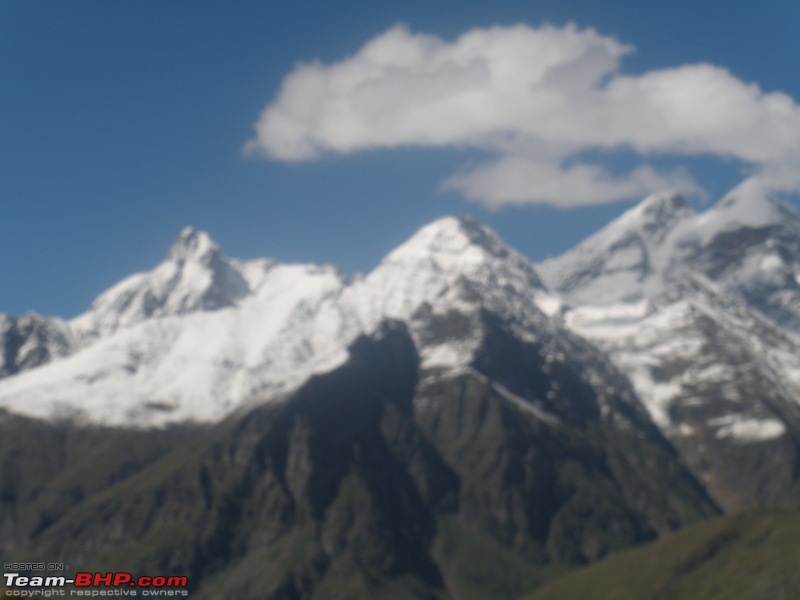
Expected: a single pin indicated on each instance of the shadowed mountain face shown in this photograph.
(375, 480)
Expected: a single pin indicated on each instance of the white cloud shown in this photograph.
(518, 180)
(536, 99)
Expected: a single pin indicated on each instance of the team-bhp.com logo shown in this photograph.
(119, 583)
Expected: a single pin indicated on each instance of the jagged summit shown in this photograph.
(452, 262)
(451, 236)
(651, 220)
(474, 232)
(456, 247)
(747, 205)
(435, 386)
(658, 208)
(194, 276)
(624, 260)
(751, 192)
(735, 242)
(192, 244)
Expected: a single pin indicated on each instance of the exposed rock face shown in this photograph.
(366, 479)
(31, 340)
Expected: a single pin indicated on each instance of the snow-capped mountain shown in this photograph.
(374, 419)
(438, 281)
(545, 414)
(201, 335)
(626, 260)
(190, 340)
(194, 277)
(690, 317)
(700, 312)
(748, 244)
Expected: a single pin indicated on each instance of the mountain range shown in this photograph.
(458, 423)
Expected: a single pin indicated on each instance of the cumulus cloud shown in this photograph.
(535, 100)
(517, 180)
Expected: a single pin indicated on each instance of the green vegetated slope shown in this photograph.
(748, 556)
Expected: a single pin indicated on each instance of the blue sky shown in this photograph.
(122, 122)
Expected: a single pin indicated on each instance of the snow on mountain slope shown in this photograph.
(201, 335)
(438, 281)
(746, 205)
(193, 277)
(198, 366)
(694, 336)
(702, 314)
(677, 299)
(452, 262)
(748, 243)
(719, 379)
(626, 260)
(173, 365)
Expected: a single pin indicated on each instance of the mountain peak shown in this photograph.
(662, 202)
(750, 190)
(452, 236)
(192, 243)
(194, 277)
(747, 206)
(624, 257)
(750, 204)
(451, 264)
(657, 211)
